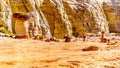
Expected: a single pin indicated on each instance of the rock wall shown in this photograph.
(112, 12)
(57, 18)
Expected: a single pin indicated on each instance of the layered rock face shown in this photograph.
(112, 12)
(57, 18)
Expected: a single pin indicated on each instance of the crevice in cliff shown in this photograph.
(24, 4)
(81, 18)
(40, 19)
(57, 25)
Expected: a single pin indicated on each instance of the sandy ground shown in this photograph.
(23, 53)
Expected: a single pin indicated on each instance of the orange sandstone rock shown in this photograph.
(22, 36)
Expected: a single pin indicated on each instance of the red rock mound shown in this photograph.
(91, 48)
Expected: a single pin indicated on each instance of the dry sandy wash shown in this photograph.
(24, 53)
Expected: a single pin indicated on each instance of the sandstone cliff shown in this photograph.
(57, 18)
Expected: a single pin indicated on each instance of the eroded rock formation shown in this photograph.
(57, 18)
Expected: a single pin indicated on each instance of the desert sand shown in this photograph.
(27, 53)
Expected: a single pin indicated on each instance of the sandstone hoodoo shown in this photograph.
(103, 39)
(102, 36)
(56, 18)
(84, 38)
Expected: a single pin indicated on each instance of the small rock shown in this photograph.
(91, 48)
(67, 39)
(47, 40)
